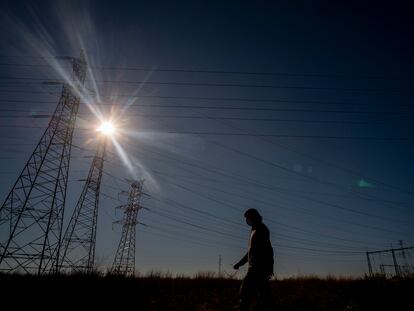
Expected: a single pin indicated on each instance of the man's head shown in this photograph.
(252, 217)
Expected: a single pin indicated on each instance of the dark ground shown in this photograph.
(199, 294)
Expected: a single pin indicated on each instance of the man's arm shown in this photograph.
(242, 261)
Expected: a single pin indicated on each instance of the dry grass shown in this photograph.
(162, 292)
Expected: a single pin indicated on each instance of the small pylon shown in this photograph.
(31, 217)
(79, 240)
(124, 262)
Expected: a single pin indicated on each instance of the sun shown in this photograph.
(107, 128)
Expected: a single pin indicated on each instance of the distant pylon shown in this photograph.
(79, 240)
(31, 217)
(124, 262)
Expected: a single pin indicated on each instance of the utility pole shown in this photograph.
(78, 250)
(396, 267)
(405, 271)
(369, 264)
(219, 266)
(31, 217)
(124, 262)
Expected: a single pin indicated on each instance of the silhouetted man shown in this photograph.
(260, 259)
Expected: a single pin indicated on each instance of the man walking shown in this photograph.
(260, 259)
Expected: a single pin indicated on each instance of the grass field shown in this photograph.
(160, 292)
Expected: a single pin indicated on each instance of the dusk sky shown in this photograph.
(303, 111)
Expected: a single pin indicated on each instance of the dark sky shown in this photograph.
(303, 111)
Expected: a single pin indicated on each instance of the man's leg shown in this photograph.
(264, 294)
(247, 291)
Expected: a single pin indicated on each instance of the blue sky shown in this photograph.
(302, 111)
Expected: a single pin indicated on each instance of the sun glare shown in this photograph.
(106, 128)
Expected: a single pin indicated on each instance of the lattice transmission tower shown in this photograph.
(124, 262)
(79, 240)
(31, 216)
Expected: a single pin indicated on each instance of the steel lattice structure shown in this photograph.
(31, 217)
(124, 262)
(78, 249)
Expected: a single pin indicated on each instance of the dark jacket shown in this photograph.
(260, 252)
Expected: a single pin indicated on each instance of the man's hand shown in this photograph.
(269, 271)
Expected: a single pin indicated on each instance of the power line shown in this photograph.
(329, 137)
(230, 72)
(192, 117)
(264, 109)
(235, 85)
(304, 197)
(232, 99)
(272, 188)
(174, 203)
(303, 154)
(275, 165)
(294, 191)
(370, 138)
(220, 232)
(283, 236)
(222, 202)
(162, 214)
(171, 202)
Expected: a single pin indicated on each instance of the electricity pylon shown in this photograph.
(31, 217)
(79, 240)
(124, 262)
